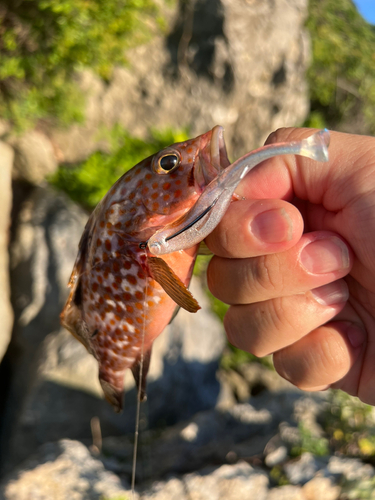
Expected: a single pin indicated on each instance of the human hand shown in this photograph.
(296, 262)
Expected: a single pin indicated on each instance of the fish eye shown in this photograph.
(167, 161)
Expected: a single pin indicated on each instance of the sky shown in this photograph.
(367, 9)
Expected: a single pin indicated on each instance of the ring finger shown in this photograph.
(265, 327)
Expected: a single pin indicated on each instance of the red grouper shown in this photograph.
(138, 249)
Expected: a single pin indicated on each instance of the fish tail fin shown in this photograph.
(113, 394)
(316, 146)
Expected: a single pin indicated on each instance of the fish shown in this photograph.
(138, 249)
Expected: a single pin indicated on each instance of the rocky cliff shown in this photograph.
(239, 64)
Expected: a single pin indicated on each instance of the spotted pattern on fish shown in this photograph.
(114, 297)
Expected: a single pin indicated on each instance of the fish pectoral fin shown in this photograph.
(203, 249)
(172, 285)
(136, 371)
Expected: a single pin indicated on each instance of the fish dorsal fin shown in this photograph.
(172, 285)
(203, 249)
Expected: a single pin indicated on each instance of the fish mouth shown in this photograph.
(213, 157)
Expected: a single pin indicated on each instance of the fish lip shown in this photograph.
(213, 158)
(219, 156)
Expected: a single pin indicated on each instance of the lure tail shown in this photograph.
(316, 146)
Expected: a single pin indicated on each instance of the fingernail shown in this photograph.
(331, 294)
(355, 335)
(324, 256)
(272, 226)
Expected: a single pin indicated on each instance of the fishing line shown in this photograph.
(138, 410)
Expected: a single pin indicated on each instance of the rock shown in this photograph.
(286, 493)
(4, 127)
(222, 435)
(304, 469)
(44, 244)
(238, 64)
(238, 385)
(228, 482)
(209, 437)
(34, 157)
(60, 471)
(307, 410)
(167, 490)
(6, 311)
(51, 388)
(321, 488)
(260, 378)
(352, 469)
(276, 457)
(290, 435)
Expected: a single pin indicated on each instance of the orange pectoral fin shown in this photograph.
(172, 285)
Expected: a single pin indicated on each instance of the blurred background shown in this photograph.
(88, 89)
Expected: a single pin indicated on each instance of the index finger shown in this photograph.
(256, 227)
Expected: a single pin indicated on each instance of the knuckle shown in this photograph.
(265, 276)
(333, 355)
(280, 135)
(273, 322)
(224, 239)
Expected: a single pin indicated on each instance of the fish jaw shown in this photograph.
(212, 156)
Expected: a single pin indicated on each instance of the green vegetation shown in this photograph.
(318, 446)
(42, 43)
(233, 358)
(88, 182)
(350, 426)
(360, 489)
(342, 73)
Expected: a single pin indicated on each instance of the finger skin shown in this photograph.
(240, 281)
(263, 328)
(338, 197)
(322, 358)
(238, 234)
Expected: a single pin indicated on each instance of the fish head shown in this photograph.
(179, 173)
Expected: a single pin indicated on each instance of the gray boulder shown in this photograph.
(51, 389)
(34, 157)
(61, 471)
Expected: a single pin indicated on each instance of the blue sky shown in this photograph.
(367, 9)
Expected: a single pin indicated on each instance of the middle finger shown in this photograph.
(317, 259)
